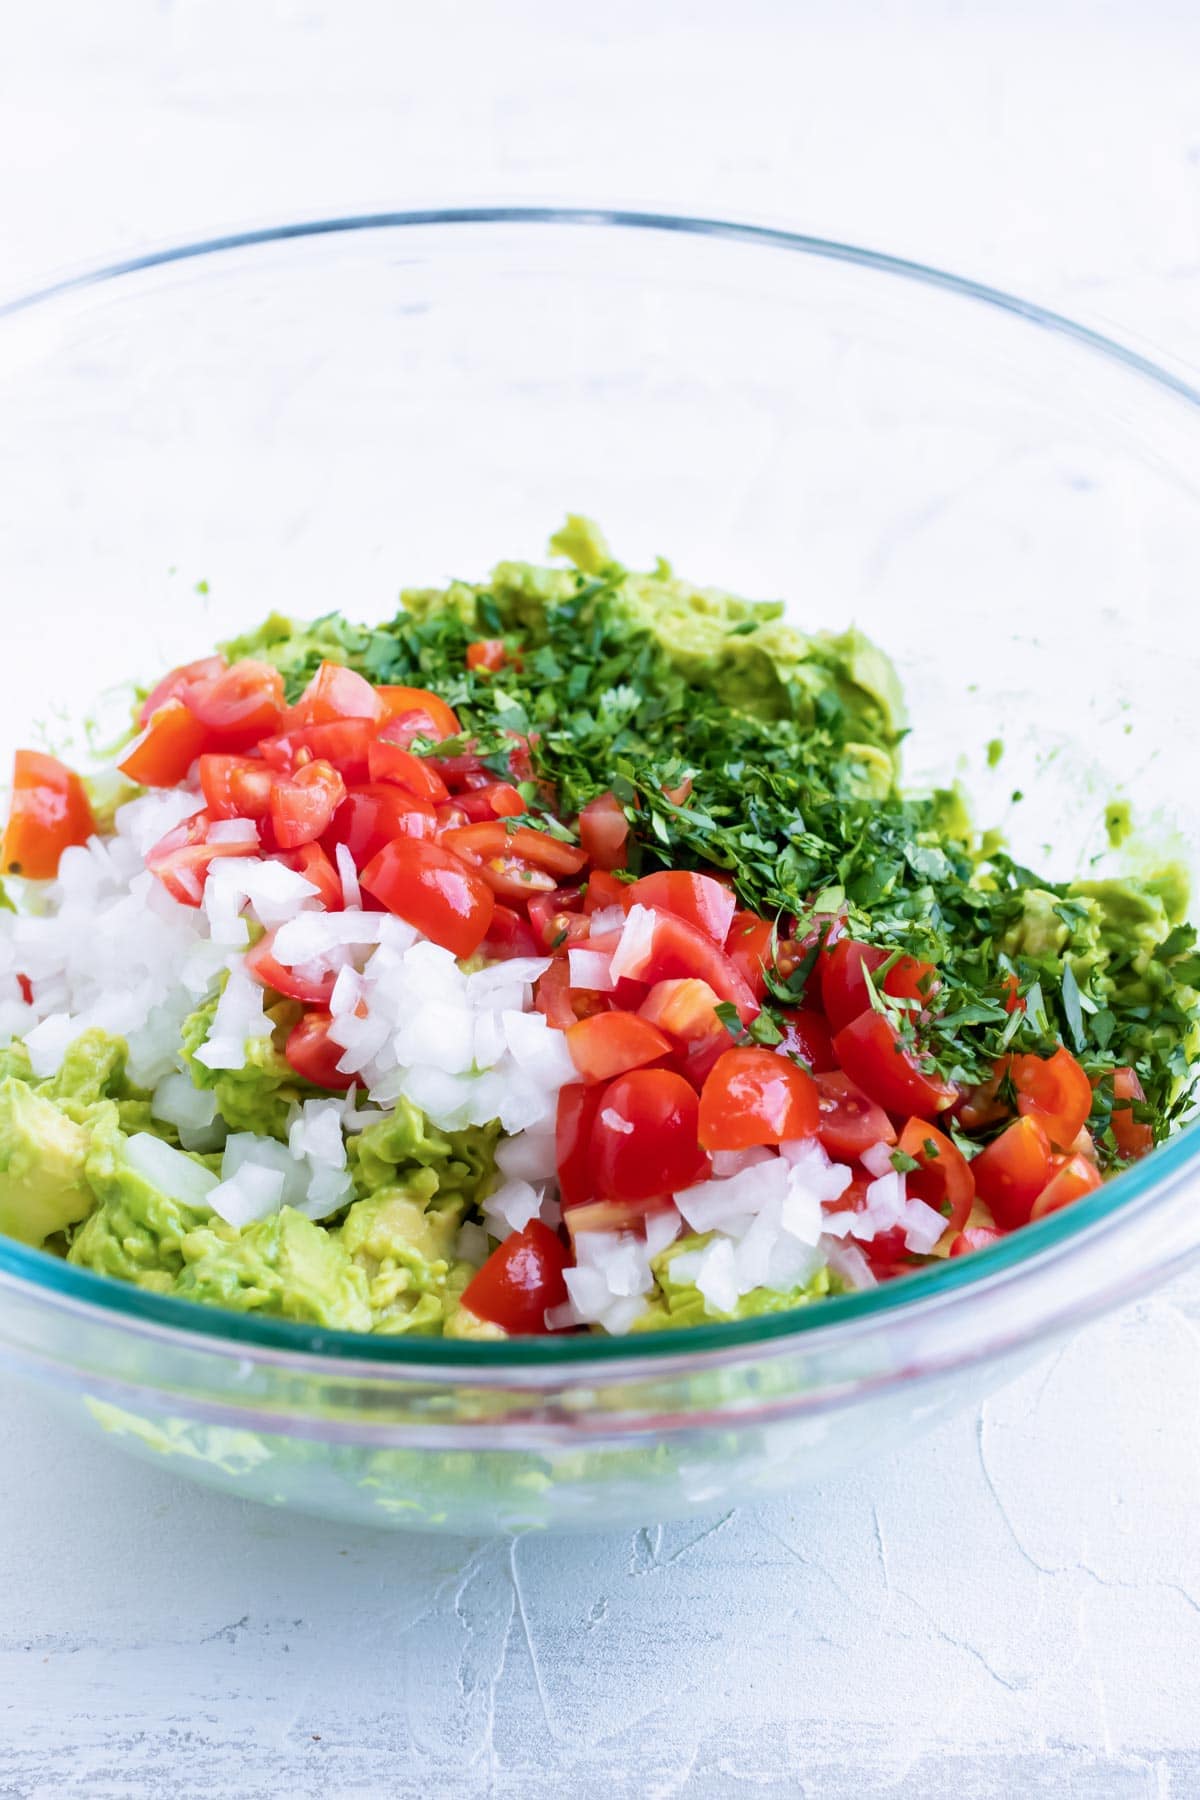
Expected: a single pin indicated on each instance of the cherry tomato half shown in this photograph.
(643, 1138)
(336, 693)
(416, 712)
(50, 812)
(703, 902)
(753, 1096)
(1012, 1171)
(235, 787)
(375, 815)
(849, 1121)
(1055, 1090)
(243, 704)
(171, 741)
(844, 992)
(520, 1279)
(434, 890)
(1077, 1176)
(261, 962)
(670, 947)
(303, 804)
(944, 1179)
(872, 1053)
(313, 1054)
(609, 1043)
(389, 761)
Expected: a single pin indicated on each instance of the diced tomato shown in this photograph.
(1055, 1090)
(311, 861)
(241, 705)
(508, 936)
(1013, 1001)
(487, 654)
(975, 1237)
(492, 800)
(377, 814)
(181, 860)
(1012, 1170)
(262, 963)
(515, 863)
(1077, 1177)
(844, 992)
(388, 761)
(748, 947)
(603, 890)
(685, 1009)
(434, 890)
(806, 1035)
(608, 1215)
(303, 804)
(872, 1053)
(699, 899)
(609, 1043)
(643, 1139)
(450, 816)
(604, 832)
(171, 741)
(235, 787)
(180, 683)
(26, 987)
(313, 1054)
(520, 1281)
(336, 693)
(671, 947)
(50, 812)
(944, 1179)
(982, 1105)
(680, 795)
(1134, 1136)
(345, 743)
(849, 1121)
(753, 1097)
(577, 1109)
(416, 712)
(561, 1005)
(556, 920)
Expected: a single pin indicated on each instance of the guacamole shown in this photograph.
(565, 954)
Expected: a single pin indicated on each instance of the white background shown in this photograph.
(1013, 1605)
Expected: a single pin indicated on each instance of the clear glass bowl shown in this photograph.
(304, 419)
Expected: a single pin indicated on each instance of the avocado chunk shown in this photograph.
(403, 1239)
(283, 1266)
(136, 1232)
(42, 1155)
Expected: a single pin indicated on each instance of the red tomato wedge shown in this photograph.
(870, 1051)
(243, 704)
(168, 746)
(1077, 1176)
(312, 862)
(313, 1054)
(657, 946)
(336, 693)
(577, 1109)
(50, 812)
(609, 1043)
(1134, 1137)
(388, 761)
(235, 787)
(844, 992)
(753, 1096)
(603, 890)
(806, 1035)
(1012, 1171)
(604, 832)
(643, 1138)
(303, 804)
(487, 654)
(180, 683)
(483, 842)
(699, 899)
(508, 936)
(944, 1179)
(345, 743)
(181, 860)
(849, 1121)
(434, 890)
(685, 1009)
(378, 814)
(494, 800)
(748, 947)
(1054, 1090)
(416, 712)
(263, 965)
(520, 1280)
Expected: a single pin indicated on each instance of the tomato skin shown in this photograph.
(387, 761)
(603, 890)
(377, 814)
(974, 1237)
(643, 1138)
(343, 742)
(675, 948)
(806, 1035)
(753, 1096)
(171, 740)
(748, 947)
(608, 1043)
(1134, 1137)
(336, 693)
(944, 1177)
(235, 787)
(1077, 1177)
(243, 704)
(311, 861)
(872, 1054)
(179, 683)
(699, 899)
(50, 812)
(520, 1279)
(303, 804)
(487, 654)
(1012, 1170)
(1056, 1091)
(558, 1003)
(508, 936)
(182, 858)
(416, 712)
(844, 992)
(493, 800)
(478, 843)
(849, 1121)
(604, 832)
(577, 1109)
(434, 890)
(269, 973)
(313, 1054)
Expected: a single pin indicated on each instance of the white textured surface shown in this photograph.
(1012, 1606)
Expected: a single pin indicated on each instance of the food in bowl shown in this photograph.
(563, 955)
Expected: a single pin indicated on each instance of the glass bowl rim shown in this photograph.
(1117, 1200)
